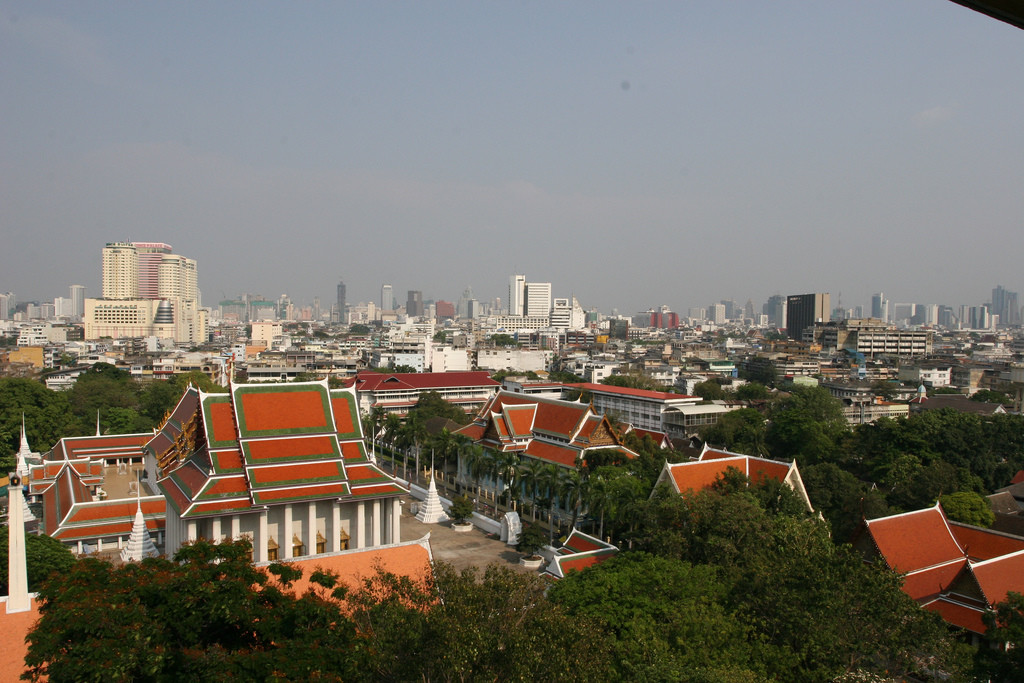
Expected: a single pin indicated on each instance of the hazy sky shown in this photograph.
(632, 154)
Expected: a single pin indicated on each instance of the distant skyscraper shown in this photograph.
(150, 256)
(880, 307)
(516, 294)
(341, 301)
(1006, 306)
(775, 309)
(414, 304)
(7, 302)
(387, 297)
(803, 310)
(537, 297)
(77, 301)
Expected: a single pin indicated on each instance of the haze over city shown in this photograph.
(668, 153)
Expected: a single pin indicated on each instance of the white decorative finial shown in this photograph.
(98, 423)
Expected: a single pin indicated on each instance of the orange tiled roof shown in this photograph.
(915, 540)
(984, 544)
(999, 576)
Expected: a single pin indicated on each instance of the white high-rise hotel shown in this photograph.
(147, 291)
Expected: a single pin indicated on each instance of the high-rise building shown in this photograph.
(387, 297)
(775, 309)
(517, 295)
(77, 301)
(414, 304)
(537, 297)
(880, 307)
(120, 271)
(7, 302)
(803, 310)
(150, 256)
(341, 301)
(147, 291)
(1005, 305)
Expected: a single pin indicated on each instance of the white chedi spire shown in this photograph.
(140, 543)
(18, 599)
(431, 511)
(22, 470)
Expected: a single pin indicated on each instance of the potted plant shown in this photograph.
(531, 539)
(461, 512)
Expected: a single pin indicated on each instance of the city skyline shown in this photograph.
(670, 154)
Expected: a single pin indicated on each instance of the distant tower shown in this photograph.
(516, 294)
(387, 297)
(803, 310)
(341, 301)
(77, 301)
(414, 304)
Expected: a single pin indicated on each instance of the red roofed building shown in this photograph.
(86, 485)
(398, 392)
(579, 551)
(957, 570)
(282, 464)
(542, 429)
(676, 415)
(713, 464)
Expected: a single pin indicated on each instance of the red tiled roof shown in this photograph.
(222, 427)
(915, 540)
(549, 452)
(999, 576)
(627, 391)
(955, 613)
(520, 419)
(422, 381)
(341, 406)
(15, 628)
(982, 544)
(301, 492)
(227, 461)
(930, 582)
(289, 449)
(285, 410)
(298, 473)
(699, 475)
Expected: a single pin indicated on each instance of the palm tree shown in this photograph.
(598, 497)
(473, 462)
(505, 468)
(572, 490)
(531, 475)
(550, 481)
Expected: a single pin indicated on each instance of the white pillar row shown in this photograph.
(215, 532)
(358, 539)
(335, 526)
(193, 533)
(396, 517)
(261, 539)
(284, 545)
(236, 527)
(375, 523)
(311, 527)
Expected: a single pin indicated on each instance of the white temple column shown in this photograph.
(193, 532)
(375, 524)
(396, 517)
(335, 526)
(236, 527)
(18, 599)
(284, 545)
(358, 539)
(215, 531)
(261, 539)
(311, 527)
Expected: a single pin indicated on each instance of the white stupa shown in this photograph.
(24, 453)
(431, 511)
(140, 544)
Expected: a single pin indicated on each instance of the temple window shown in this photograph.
(272, 548)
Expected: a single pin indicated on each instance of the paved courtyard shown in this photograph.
(461, 550)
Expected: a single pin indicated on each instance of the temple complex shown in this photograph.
(284, 465)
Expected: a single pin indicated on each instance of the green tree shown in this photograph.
(43, 556)
(358, 328)
(807, 426)
(502, 339)
(842, 498)
(461, 509)
(1006, 627)
(710, 390)
(752, 391)
(209, 615)
(668, 618)
(968, 507)
(634, 380)
(740, 431)
(47, 416)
